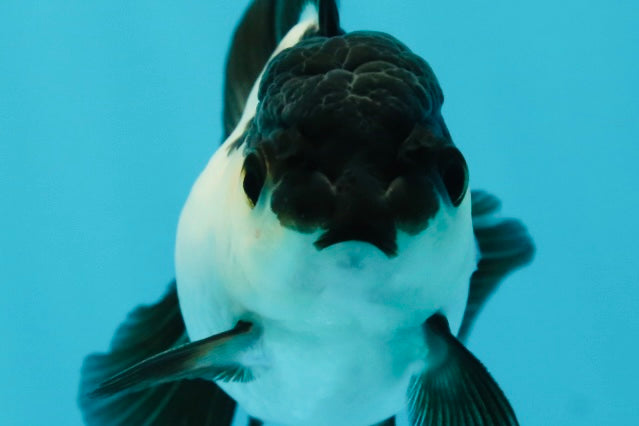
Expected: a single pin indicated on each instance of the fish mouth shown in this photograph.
(382, 236)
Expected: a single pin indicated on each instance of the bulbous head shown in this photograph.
(348, 139)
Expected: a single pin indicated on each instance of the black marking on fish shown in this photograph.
(350, 130)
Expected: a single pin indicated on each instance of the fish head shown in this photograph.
(345, 166)
(348, 140)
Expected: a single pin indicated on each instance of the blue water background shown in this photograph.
(109, 110)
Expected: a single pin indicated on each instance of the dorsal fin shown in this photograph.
(329, 18)
(263, 26)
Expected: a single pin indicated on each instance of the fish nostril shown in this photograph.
(412, 201)
(303, 200)
(454, 174)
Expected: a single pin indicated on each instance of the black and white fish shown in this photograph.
(330, 258)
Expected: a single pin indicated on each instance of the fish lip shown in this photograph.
(330, 238)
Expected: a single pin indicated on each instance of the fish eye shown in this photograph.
(254, 176)
(454, 174)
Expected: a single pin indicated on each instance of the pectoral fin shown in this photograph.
(504, 246)
(213, 358)
(456, 389)
(149, 330)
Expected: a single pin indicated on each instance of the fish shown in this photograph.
(331, 257)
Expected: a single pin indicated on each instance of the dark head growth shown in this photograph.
(349, 135)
